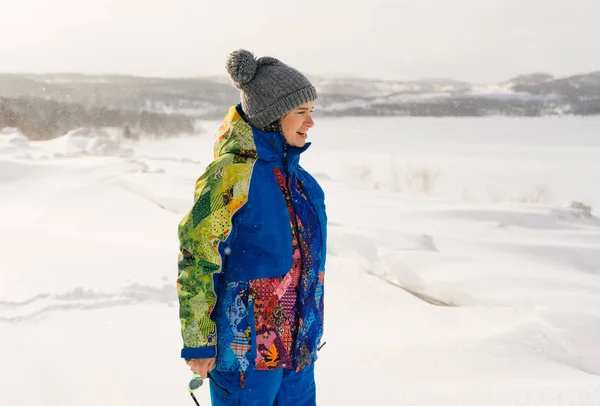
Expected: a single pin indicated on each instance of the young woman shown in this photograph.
(253, 246)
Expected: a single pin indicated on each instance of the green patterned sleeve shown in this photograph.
(220, 191)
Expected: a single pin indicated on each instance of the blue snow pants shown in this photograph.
(279, 387)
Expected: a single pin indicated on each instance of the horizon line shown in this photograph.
(315, 76)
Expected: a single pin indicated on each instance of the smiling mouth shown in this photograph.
(301, 133)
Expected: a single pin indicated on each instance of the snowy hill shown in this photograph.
(531, 79)
(207, 97)
(581, 92)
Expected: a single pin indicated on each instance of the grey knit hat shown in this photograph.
(269, 87)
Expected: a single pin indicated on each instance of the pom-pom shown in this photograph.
(241, 66)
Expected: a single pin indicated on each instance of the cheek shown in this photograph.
(290, 125)
(289, 135)
(287, 130)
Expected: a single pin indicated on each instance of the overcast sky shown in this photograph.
(475, 40)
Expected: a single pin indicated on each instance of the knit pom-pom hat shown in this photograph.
(269, 88)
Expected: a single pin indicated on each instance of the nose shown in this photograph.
(309, 121)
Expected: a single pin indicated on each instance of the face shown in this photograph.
(296, 123)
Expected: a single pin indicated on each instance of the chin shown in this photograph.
(300, 141)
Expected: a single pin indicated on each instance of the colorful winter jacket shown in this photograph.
(252, 255)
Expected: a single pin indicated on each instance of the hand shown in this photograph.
(201, 366)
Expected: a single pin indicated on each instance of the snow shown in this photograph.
(383, 88)
(12, 140)
(420, 94)
(475, 214)
(183, 107)
(83, 141)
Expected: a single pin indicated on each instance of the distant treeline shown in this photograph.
(41, 119)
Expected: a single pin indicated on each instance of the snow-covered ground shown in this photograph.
(473, 213)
